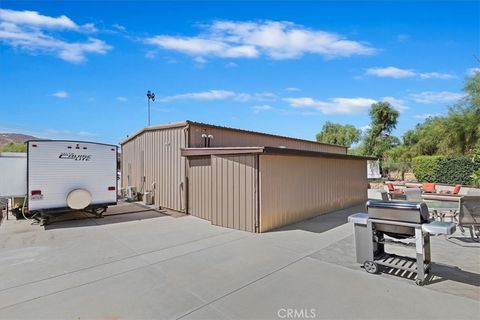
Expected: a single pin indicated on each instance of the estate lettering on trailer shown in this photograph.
(76, 157)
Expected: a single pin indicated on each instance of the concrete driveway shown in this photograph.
(141, 264)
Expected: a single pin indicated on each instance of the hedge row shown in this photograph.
(449, 170)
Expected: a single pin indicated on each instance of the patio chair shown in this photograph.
(469, 216)
(456, 189)
(413, 194)
(454, 192)
(394, 193)
(429, 187)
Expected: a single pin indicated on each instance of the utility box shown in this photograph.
(148, 198)
(13, 174)
(131, 193)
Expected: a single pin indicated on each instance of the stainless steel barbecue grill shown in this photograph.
(396, 223)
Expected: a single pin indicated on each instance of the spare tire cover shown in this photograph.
(79, 199)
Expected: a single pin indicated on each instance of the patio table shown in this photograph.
(443, 209)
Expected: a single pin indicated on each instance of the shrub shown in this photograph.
(476, 178)
(449, 170)
(14, 147)
(453, 170)
(425, 168)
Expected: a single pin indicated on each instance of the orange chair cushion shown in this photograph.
(428, 187)
(457, 188)
(390, 186)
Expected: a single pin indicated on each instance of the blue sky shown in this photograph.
(80, 69)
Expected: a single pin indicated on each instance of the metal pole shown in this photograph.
(148, 112)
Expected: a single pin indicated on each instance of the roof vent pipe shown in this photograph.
(209, 138)
(204, 137)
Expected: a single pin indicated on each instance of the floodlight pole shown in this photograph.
(150, 96)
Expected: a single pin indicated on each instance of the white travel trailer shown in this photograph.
(70, 175)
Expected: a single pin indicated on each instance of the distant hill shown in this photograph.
(6, 138)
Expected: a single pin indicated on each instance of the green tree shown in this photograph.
(384, 120)
(472, 90)
(397, 159)
(14, 147)
(335, 133)
(456, 133)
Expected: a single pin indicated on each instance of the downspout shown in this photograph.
(257, 214)
(186, 132)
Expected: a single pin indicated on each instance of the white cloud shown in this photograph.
(60, 94)
(119, 27)
(390, 72)
(334, 105)
(203, 47)
(428, 97)
(203, 95)
(36, 33)
(343, 105)
(122, 99)
(222, 95)
(292, 89)
(33, 18)
(436, 75)
(263, 107)
(472, 71)
(265, 96)
(243, 97)
(273, 39)
(60, 133)
(260, 108)
(86, 134)
(398, 73)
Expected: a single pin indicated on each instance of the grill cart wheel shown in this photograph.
(370, 267)
(419, 282)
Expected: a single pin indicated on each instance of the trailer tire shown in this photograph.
(79, 199)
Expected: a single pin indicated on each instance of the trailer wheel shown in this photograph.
(419, 282)
(370, 267)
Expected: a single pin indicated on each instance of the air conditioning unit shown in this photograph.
(148, 198)
(131, 193)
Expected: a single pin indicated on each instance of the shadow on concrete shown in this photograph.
(439, 273)
(325, 221)
(443, 272)
(464, 241)
(82, 219)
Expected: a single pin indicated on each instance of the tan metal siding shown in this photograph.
(200, 187)
(232, 138)
(294, 188)
(234, 192)
(155, 155)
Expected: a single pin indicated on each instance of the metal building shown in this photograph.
(241, 179)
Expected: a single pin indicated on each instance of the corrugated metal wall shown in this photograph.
(233, 138)
(200, 187)
(234, 191)
(155, 155)
(295, 188)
